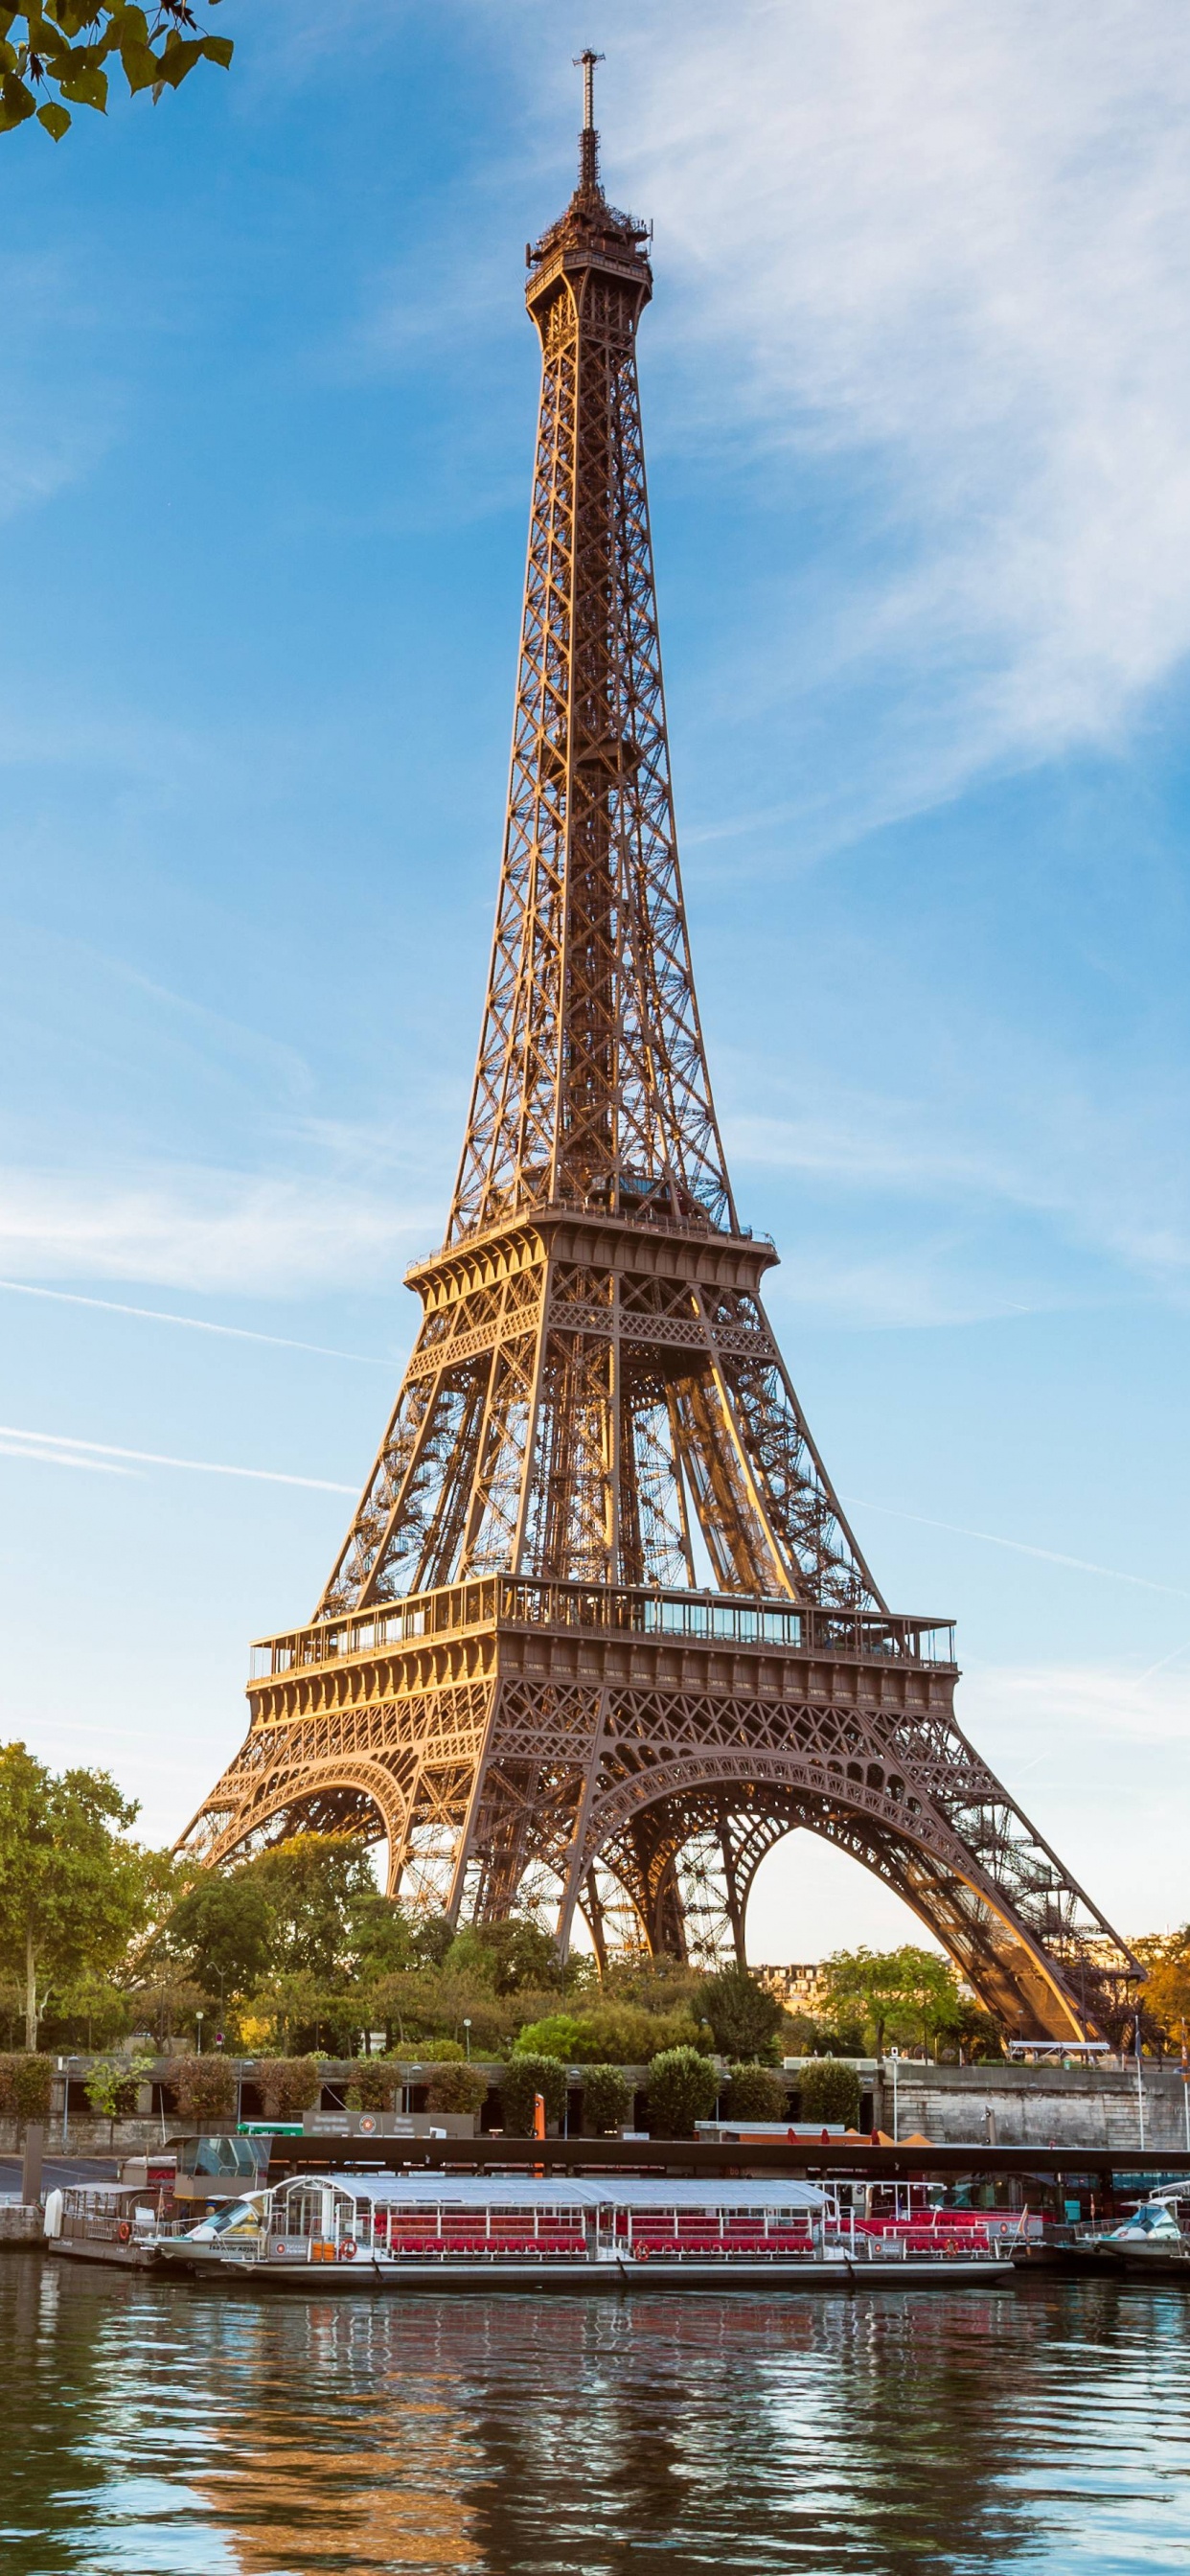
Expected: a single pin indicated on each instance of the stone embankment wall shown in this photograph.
(1035, 2106)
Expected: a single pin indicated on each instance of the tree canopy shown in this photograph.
(74, 1890)
(905, 1994)
(71, 48)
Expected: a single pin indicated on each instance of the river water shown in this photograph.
(152, 2427)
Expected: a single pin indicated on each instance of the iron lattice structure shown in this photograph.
(599, 1634)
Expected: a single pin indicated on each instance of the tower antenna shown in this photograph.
(588, 168)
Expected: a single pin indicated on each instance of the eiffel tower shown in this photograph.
(599, 1634)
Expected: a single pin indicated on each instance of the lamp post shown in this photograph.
(467, 2028)
(896, 2063)
(199, 2019)
(1140, 2090)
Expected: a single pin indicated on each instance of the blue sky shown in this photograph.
(917, 396)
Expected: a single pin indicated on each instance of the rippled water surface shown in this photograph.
(152, 2427)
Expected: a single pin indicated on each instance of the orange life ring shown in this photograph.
(951, 2247)
(123, 2231)
(641, 2252)
(347, 2250)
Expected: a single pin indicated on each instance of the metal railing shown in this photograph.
(700, 1618)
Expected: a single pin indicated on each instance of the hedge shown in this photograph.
(524, 2077)
(205, 2087)
(607, 2100)
(288, 2085)
(829, 2090)
(682, 2087)
(25, 2082)
(456, 2088)
(755, 2093)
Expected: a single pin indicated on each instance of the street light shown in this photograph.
(199, 2019)
(896, 2062)
(467, 2028)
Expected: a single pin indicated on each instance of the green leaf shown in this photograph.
(87, 89)
(218, 49)
(141, 68)
(55, 119)
(179, 57)
(16, 103)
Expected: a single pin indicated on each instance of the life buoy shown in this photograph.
(641, 2252)
(950, 2249)
(347, 2250)
(123, 2231)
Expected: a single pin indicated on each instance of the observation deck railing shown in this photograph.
(515, 1601)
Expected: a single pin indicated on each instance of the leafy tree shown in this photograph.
(74, 1891)
(607, 2100)
(69, 46)
(313, 1886)
(222, 1931)
(743, 2016)
(384, 1940)
(524, 2078)
(681, 2086)
(909, 1992)
(112, 2084)
(561, 2036)
(1166, 1998)
(829, 2091)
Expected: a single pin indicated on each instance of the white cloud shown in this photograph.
(952, 244)
(206, 1230)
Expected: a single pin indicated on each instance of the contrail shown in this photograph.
(60, 1449)
(191, 1323)
(1020, 1547)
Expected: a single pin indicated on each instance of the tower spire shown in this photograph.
(588, 142)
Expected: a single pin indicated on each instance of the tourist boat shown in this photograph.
(425, 2231)
(105, 2222)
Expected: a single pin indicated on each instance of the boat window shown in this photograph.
(239, 2214)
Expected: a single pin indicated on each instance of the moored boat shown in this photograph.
(383, 2231)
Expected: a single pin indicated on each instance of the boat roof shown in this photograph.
(564, 2191)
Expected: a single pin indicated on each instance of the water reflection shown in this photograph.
(156, 2427)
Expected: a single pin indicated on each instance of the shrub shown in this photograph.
(205, 2087)
(560, 2035)
(447, 2052)
(755, 2093)
(830, 2091)
(457, 2088)
(25, 2082)
(373, 2085)
(524, 2077)
(614, 2035)
(681, 2086)
(288, 2085)
(607, 2099)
